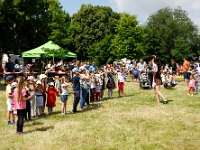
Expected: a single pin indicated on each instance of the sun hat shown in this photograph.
(31, 78)
(75, 70)
(42, 76)
(14, 84)
(38, 82)
(51, 83)
(9, 78)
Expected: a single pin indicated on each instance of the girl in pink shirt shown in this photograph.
(191, 85)
(19, 100)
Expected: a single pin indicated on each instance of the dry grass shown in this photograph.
(132, 122)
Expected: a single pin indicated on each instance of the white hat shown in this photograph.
(82, 68)
(14, 84)
(51, 83)
(38, 82)
(42, 76)
(75, 70)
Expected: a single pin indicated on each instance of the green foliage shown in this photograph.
(129, 37)
(175, 34)
(95, 23)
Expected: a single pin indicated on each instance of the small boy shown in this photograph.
(9, 97)
(196, 77)
(76, 89)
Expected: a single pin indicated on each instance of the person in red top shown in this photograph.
(52, 92)
(186, 74)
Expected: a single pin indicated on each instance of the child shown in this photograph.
(13, 86)
(191, 85)
(92, 87)
(28, 104)
(43, 79)
(64, 94)
(31, 89)
(98, 89)
(120, 77)
(52, 92)
(196, 77)
(57, 82)
(20, 98)
(9, 97)
(39, 97)
(76, 89)
(135, 74)
(110, 84)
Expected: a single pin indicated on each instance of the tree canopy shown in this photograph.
(97, 33)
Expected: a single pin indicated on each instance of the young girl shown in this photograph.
(52, 92)
(43, 79)
(39, 98)
(64, 94)
(31, 89)
(13, 86)
(97, 89)
(157, 79)
(191, 85)
(57, 82)
(120, 78)
(20, 99)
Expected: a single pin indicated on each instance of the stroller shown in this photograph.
(145, 80)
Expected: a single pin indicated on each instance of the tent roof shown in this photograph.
(36, 52)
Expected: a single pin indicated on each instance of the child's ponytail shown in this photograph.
(20, 81)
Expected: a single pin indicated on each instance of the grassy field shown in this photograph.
(135, 121)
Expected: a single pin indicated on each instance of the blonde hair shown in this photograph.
(20, 81)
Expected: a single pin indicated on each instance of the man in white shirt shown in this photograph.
(141, 65)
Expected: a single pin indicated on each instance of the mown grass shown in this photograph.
(135, 121)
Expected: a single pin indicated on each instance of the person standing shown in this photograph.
(10, 66)
(141, 65)
(76, 89)
(92, 68)
(157, 79)
(185, 68)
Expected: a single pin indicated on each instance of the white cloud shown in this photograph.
(144, 8)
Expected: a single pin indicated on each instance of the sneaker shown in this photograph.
(165, 102)
(188, 94)
(10, 123)
(192, 95)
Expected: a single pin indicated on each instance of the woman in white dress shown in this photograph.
(157, 81)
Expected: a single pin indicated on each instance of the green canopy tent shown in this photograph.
(37, 52)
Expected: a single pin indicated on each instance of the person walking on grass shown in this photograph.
(20, 98)
(76, 89)
(157, 79)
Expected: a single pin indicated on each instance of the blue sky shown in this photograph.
(141, 8)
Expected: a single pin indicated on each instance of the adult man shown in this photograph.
(92, 68)
(186, 67)
(141, 65)
(10, 67)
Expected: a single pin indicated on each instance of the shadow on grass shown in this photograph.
(169, 101)
(42, 129)
(92, 106)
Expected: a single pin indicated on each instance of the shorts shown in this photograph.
(9, 105)
(120, 86)
(63, 98)
(136, 76)
(186, 75)
(102, 88)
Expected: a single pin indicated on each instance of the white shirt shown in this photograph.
(120, 76)
(64, 89)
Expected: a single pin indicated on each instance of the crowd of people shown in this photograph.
(27, 97)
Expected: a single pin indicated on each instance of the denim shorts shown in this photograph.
(63, 98)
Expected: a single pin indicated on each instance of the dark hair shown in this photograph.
(157, 62)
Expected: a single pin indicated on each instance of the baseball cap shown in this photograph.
(14, 84)
(9, 78)
(42, 76)
(38, 82)
(75, 70)
(31, 78)
(51, 83)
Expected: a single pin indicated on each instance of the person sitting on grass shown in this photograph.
(170, 81)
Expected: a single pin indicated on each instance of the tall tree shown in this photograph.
(92, 24)
(172, 28)
(128, 40)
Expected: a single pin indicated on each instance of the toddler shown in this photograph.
(191, 85)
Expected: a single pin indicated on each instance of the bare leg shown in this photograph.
(157, 90)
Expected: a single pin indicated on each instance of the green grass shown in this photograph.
(135, 121)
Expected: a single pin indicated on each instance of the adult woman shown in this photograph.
(157, 79)
(84, 78)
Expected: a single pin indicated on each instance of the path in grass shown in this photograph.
(132, 122)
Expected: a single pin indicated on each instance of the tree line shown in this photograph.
(97, 33)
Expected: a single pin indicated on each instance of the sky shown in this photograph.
(141, 8)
